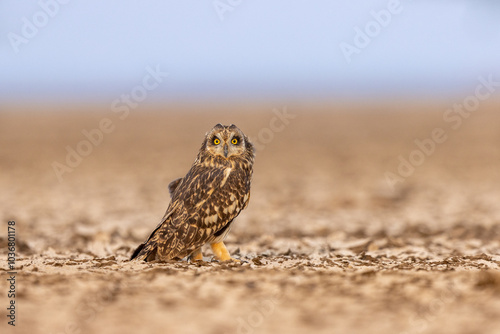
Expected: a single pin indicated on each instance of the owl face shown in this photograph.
(225, 141)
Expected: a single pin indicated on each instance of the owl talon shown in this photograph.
(221, 253)
(196, 255)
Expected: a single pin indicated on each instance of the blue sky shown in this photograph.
(255, 49)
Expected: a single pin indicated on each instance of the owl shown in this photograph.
(206, 201)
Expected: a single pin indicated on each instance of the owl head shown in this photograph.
(227, 141)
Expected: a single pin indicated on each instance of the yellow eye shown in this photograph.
(234, 141)
(216, 141)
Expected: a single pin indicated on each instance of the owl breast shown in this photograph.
(225, 204)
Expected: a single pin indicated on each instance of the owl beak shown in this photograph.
(225, 151)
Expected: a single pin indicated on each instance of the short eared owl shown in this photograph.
(206, 201)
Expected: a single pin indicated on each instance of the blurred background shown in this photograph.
(376, 181)
(342, 100)
(217, 50)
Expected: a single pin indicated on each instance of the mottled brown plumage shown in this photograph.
(206, 201)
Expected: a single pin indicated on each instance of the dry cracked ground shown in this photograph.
(329, 246)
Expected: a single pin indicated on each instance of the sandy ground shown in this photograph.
(329, 246)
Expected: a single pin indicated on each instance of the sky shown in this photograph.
(97, 50)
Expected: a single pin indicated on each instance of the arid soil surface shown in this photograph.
(329, 245)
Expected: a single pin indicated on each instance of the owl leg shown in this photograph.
(196, 255)
(221, 253)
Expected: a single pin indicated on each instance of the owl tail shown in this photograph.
(148, 249)
(144, 253)
(137, 251)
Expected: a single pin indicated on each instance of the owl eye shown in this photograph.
(216, 141)
(234, 141)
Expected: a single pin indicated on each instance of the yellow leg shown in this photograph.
(221, 253)
(196, 255)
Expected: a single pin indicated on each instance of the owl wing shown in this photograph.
(203, 203)
(173, 185)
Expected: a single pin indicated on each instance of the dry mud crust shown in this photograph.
(329, 246)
